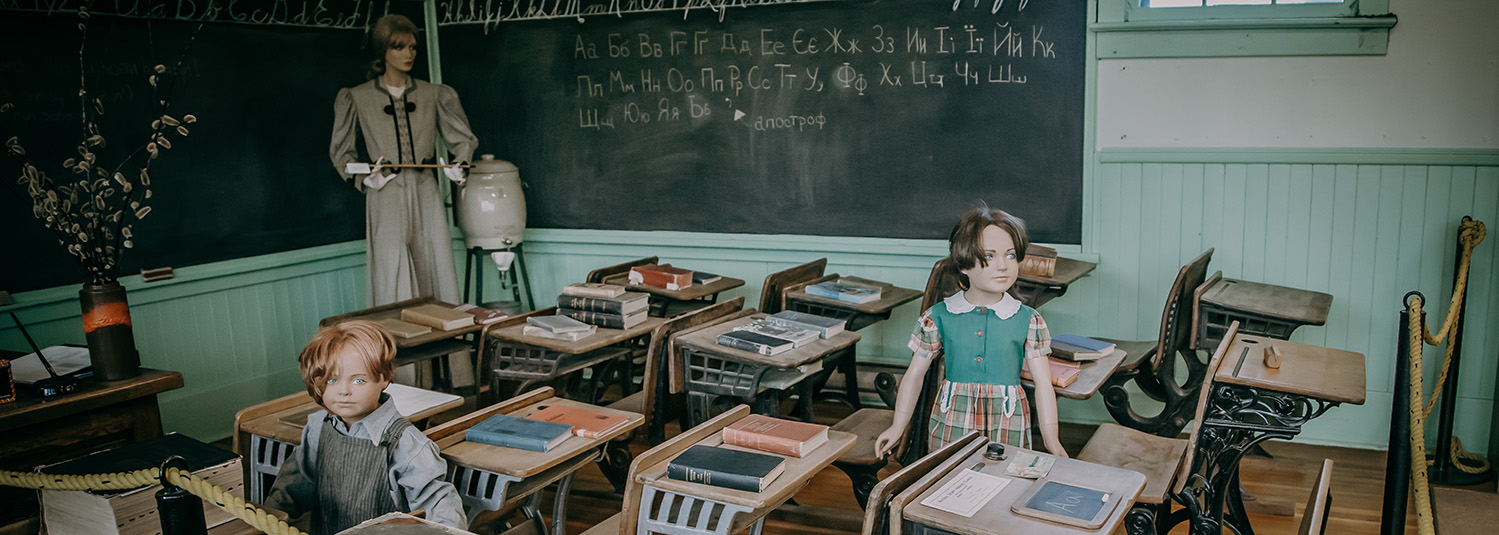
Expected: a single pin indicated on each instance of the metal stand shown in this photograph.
(517, 276)
(1444, 471)
(1397, 470)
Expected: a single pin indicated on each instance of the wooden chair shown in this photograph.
(599, 274)
(1152, 364)
(650, 400)
(1314, 518)
(879, 519)
(1166, 462)
(771, 293)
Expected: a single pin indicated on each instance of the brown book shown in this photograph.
(1063, 373)
(775, 435)
(1040, 261)
(661, 276)
(437, 317)
(586, 423)
(402, 329)
(482, 316)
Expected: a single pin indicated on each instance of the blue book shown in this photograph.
(844, 292)
(519, 433)
(1075, 348)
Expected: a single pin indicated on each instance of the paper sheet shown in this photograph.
(967, 493)
(65, 360)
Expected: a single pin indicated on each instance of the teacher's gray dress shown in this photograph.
(409, 252)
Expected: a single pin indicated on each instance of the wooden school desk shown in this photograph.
(1035, 291)
(1261, 309)
(1251, 403)
(996, 518)
(423, 347)
(1090, 377)
(521, 361)
(712, 371)
(704, 294)
(697, 509)
(858, 315)
(264, 434)
(100, 415)
(488, 477)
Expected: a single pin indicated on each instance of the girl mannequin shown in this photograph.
(985, 334)
(410, 253)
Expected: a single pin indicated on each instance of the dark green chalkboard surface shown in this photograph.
(252, 178)
(849, 118)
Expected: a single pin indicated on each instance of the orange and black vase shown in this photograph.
(106, 325)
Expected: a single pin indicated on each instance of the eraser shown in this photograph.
(1273, 357)
(357, 168)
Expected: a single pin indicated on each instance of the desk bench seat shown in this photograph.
(1159, 458)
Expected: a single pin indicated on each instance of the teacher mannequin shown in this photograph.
(410, 253)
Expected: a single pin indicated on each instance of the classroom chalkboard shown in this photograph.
(844, 118)
(253, 177)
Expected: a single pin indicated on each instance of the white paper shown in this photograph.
(357, 168)
(64, 360)
(967, 493)
(411, 400)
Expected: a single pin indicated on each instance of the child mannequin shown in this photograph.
(359, 458)
(985, 333)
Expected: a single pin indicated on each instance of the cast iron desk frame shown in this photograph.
(518, 361)
(1261, 309)
(1250, 404)
(858, 316)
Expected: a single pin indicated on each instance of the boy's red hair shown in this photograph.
(363, 337)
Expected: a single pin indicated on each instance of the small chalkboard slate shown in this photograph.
(1067, 503)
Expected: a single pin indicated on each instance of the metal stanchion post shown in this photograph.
(181, 512)
(1397, 471)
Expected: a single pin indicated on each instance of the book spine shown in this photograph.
(712, 477)
(506, 440)
(590, 304)
(611, 321)
(757, 441)
(739, 343)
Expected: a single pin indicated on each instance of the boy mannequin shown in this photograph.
(359, 458)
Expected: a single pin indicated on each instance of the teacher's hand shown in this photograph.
(455, 173)
(377, 177)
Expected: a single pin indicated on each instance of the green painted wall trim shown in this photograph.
(1185, 41)
(1385, 22)
(1358, 156)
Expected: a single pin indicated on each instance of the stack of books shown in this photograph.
(766, 337)
(1079, 348)
(661, 276)
(126, 512)
(593, 289)
(558, 328)
(1063, 372)
(846, 290)
(775, 435)
(622, 311)
(1040, 261)
(437, 317)
(824, 326)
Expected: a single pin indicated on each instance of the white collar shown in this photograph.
(1005, 308)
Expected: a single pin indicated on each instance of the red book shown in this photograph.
(775, 435)
(661, 276)
(586, 423)
(482, 316)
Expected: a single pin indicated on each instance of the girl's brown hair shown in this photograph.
(363, 337)
(384, 36)
(963, 248)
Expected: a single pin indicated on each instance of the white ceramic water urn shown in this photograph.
(492, 208)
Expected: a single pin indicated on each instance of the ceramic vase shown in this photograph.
(106, 325)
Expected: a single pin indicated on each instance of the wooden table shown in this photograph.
(996, 518)
(1035, 291)
(100, 415)
(520, 361)
(712, 371)
(707, 294)
(1251, 403)
(1261, 309)
(273, 428)
(739, 509)
(489, 476)
(423, 347)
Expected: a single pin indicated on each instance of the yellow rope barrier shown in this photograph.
(254, 516)
(1470, 234)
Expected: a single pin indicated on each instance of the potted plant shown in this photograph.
(92, 206)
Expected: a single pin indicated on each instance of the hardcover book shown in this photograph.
(1063, 373)
(559, 324)
(703, 277)
(774, 435)
(593, 289)
(844, 292)
(1040, 261)
(626, 303)
(864, 283)
(129, 512)
(722, 467)
(402, 329)
(754, 342)
(482, 316)
(604, 319)
(437, 317)
(661, 276)
(571, 336)
(796, 335)
(585, 423)
(825, 326)
(1074, 347)
(519, 433)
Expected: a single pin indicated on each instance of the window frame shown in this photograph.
(1353, 27)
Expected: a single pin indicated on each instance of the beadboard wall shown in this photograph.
(1363, 225)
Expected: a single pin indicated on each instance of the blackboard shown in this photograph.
(726, 120)
(253, 177)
